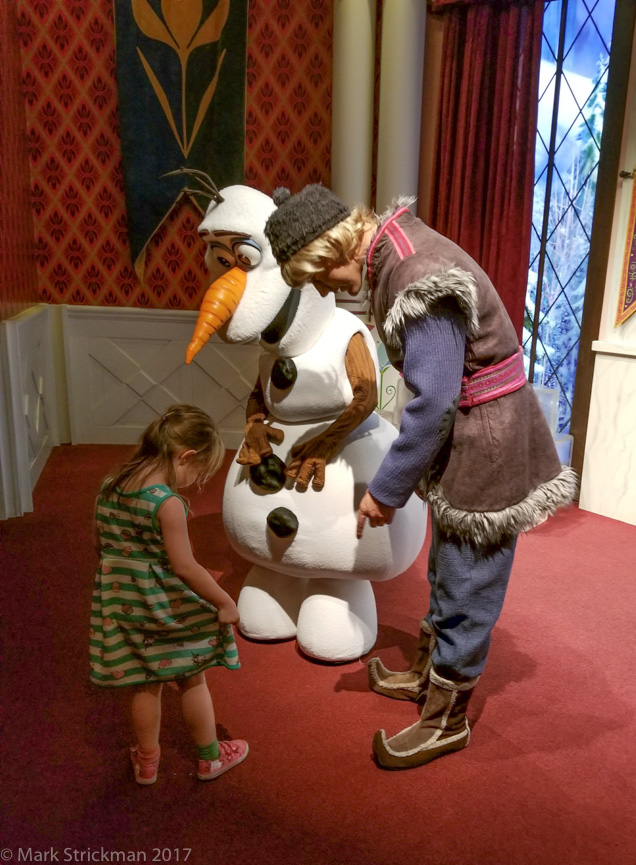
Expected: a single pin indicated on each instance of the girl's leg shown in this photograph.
(215, 757)
(145, 710)
(198, 709)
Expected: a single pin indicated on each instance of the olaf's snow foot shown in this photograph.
(337, 620)
(269, 604)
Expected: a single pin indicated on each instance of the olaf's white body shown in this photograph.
(314, 585)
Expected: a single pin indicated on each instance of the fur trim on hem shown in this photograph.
(419, 298)
(486, 528)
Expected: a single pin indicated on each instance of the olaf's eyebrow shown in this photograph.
(205, 233)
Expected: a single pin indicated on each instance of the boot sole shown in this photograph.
(386, 760)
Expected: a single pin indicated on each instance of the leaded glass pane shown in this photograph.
(572, 87)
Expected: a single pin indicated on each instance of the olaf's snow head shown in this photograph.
(237, 251)
(248, 300)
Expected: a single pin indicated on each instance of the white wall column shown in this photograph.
(400, 110)
(609, 461)
(352, 104)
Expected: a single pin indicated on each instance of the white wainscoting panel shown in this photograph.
(126, 366)
(609, 463)
(31, 403)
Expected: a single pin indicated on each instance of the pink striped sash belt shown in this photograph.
(493, 381)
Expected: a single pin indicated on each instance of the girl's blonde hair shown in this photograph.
(181, 427)
(337, 246)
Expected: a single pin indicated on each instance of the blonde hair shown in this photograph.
(181, 427)
(337, 246)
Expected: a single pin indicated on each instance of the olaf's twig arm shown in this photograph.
(258, 433)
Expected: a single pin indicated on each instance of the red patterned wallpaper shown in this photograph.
(18, 276)
(288, 105)
(75, 157)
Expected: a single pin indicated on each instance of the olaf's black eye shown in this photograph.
(218, 258)
(248, 254)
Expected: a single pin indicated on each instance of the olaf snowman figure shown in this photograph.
(310, 418)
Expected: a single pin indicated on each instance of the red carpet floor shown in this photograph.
(549, 776)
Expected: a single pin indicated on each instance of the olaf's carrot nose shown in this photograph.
(218, 306)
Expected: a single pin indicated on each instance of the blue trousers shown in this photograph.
(468, 586)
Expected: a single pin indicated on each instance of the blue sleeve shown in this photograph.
(434, 349)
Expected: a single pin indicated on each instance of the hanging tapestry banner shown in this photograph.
(181, 67)
(627, 296)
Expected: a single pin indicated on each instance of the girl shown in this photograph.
(157, 615)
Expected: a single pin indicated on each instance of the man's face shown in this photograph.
(345, 277)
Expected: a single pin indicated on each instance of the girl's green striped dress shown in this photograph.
(146, 624)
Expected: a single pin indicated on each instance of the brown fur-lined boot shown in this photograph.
(412, 684)
(442, 728)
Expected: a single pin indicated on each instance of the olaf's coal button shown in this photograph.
(284, 373)
(283, 522)
(270, 474)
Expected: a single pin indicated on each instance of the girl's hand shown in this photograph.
(228, 613)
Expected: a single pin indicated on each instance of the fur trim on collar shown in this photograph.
(486, 528)
(400, 201)
(419, 298)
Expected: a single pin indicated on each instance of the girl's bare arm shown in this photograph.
(172, 519)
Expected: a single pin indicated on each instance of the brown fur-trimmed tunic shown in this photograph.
(498, 472)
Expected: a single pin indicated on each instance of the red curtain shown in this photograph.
(484, 168)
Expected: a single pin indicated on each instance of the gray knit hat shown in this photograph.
(302, 218)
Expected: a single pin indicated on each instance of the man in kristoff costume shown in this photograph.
(473, 437)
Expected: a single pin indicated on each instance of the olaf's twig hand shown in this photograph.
(309, 461)
(302, 471)
(256, 444)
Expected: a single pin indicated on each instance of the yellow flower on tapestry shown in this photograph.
(183, 31)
